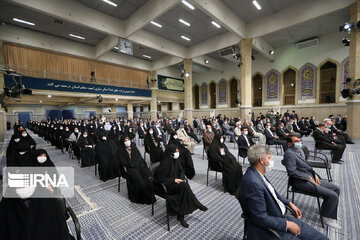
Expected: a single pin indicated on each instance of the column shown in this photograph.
(245, 78)
(2, 111)
(153, 105)
(188, 99)
(152, 76)
(353, 104)
(130, 111)
(113, 111)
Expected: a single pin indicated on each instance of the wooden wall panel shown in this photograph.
(15, 55)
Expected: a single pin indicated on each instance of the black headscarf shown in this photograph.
(47, 163)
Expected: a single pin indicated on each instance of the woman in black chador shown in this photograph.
(87, 151)
(181, 199)
(232, 170)
(138, 174)
(185, 156)
(152, 146)
(106, 157)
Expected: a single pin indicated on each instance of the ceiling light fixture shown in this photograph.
(256, 4)
(189, 5)
(215, 24)
(184, 22)
(186, 38)
(116, 99)
(271, 52)
(40, 101)
(146, 56)
(23, 21)
(76, 36)
(187, 74)
(206, 61)
(110, 2)
(156, 24)
(49, 96)
(117, 48)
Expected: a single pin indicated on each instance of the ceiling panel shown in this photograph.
(124, 9)
(317, 27)
(200, 30)
(47, 24)
(247, 11)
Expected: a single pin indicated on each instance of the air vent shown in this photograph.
(307, 43)
(226, 51)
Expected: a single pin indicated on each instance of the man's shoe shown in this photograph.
(332, 223)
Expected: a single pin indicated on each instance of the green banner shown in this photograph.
(172, 84)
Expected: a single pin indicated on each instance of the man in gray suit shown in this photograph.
(297, 166)
(260, 126)
(289, 126)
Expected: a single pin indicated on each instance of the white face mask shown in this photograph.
(221, 140)
(61, 128)
(127, 143)
(176, 155)
(271, 165)
(17, 139)
(85, 136)
(24, 134)
(175, 137)
(76, 131)
(22, 153)
(41, 159)
(246, 133)
(25, 192)
(151, 132)
(104, 138)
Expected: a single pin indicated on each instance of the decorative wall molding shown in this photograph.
(222, 90)
(307, 82)
(272, 86)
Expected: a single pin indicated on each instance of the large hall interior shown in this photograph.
(171, 114)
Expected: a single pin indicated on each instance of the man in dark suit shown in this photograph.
(297, 167)
(272, 139)
(304, 127)
(244, 142)
(281, 132)
(339, 132)
(323, 141)
(159, 133)
(190, 132)
(297, 128)
(265, 207)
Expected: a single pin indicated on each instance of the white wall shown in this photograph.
(330, 46)
(170, 72)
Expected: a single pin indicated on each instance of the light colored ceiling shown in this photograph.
(124, 9)
(139, 51)
(247, 11)
(46, 24)
(200, 30)
(317, 27)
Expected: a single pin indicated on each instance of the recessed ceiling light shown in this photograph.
(256, 4)
(186, 38)
(156, 24)
(116, 99)
(271, 52)
(146, 56)
(49, 96)
(110, 2)
(187, 74)
(76, 36)
(215, 24)
(23, 21)
(206, 61)
(184, 22)
(189, 5)
(40, 101)
(117, 48)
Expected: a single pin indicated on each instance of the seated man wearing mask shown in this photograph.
(265, 207)
(208, 137)
(297, 166)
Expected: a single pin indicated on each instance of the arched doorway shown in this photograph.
(327, 82)
(289, 86)
(233, 92)
(212, 89)
(196, 97)
(257, 90)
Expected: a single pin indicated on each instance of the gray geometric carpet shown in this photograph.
(105, 213)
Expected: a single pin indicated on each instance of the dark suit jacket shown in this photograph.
(243, 145)
(281, 133)
(258, 203)
(296, 165)
(269, 139)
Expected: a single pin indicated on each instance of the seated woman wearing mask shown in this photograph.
(106, 157)
(42, 158)
(232, 170)
(73, 139)
(152, 146)
(185, 156)
(24, 217)
(14, 141)
(21, 156)
(138, 174)
(25, 137)
(181, 198)
(87, 151)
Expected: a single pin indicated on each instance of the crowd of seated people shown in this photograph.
(171, 142)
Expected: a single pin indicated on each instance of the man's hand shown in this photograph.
(317, 180)
(293, 228)
(178, 180)
(312, 180)
(296, 210)
(333, 143)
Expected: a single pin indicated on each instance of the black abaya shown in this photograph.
(87, 154)
(181, 199)
(156, 153)
(106, 157)
(138, 175)
(185, 157)
(232, 170)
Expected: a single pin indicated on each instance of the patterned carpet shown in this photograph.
(106, 214)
